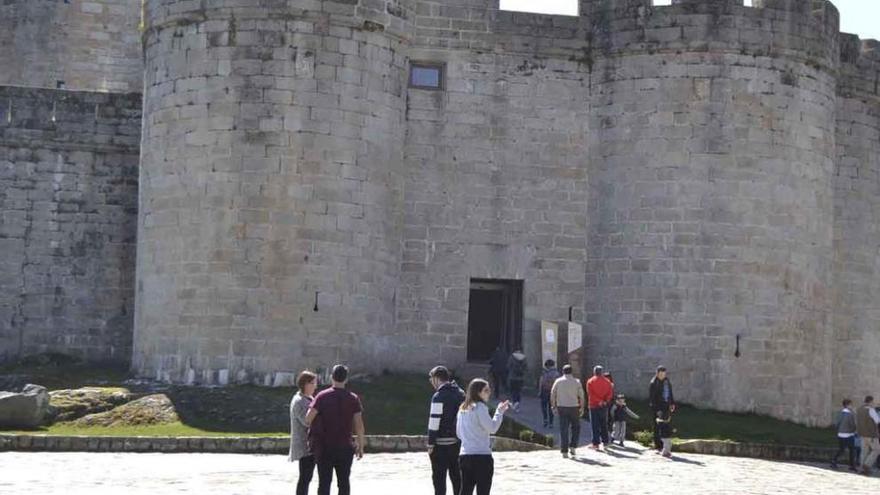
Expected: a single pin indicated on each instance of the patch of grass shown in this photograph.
(395, 404)
(693, 423)
(177, 429)
(62, 376)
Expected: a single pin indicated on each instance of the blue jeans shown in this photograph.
(599, 422)
(546, 410)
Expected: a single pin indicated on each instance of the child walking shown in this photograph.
(619, 413)
(664, 431)
(545, 385)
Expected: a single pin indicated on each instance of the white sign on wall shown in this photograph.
(574, 336)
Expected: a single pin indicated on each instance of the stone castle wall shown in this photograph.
(696, 182)
(496, 183)
(68, 192)
(711, 202)
(271, 188)
(72, 44)
(857, 221)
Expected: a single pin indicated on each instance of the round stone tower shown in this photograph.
(713, 146)
(75, 44)
(270, 215)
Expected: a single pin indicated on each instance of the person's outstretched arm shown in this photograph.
(490, 424)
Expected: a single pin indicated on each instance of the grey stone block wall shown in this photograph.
(680, 176)
(271, 188)
(496, 183)
(68, 193)
(91, 45)
(857, 222)
(711, 204)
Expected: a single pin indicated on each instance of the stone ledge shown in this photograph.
(756, 450)
(226, 445)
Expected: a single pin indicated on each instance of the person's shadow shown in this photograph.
(682, 460)
(614, 453)
(590, 462)
(630, 450)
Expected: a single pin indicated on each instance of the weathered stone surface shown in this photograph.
(68, 191)
(696, 183)
(67, 405)
(74, 44)
(150, 410)
(27, 409)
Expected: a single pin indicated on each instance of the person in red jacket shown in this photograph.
(600, 391)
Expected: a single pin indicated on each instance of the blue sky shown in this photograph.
(861, 17)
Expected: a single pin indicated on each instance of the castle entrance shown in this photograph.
(494, 317)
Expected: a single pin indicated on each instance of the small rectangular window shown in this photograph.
(426, 76)
(661, 3)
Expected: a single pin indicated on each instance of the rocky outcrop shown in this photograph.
(28, 409)
(150, 410)
(68, 405)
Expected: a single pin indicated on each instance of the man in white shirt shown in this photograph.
(567, 401)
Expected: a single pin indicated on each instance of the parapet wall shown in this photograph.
(68, 192)
(72, 44)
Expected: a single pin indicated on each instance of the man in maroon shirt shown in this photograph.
(334, 413)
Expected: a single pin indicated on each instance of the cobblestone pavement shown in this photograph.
(628, 471)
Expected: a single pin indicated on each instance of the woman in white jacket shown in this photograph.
(474, 426)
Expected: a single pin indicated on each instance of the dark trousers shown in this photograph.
(599, 422)
(444, 459)
(516, 390)
(476, 472)
(664, 408)
(846, 444)
(497, 380)
(546, 410)
(338, 460)
(306, 471)
(569, 422)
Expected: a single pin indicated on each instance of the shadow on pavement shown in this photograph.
(686, 461)
(589, 462)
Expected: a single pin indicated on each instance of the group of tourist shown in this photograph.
(563, 396)
(858, 432)
(460, 424)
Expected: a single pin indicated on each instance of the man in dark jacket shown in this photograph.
(498, 370)
(443, 445)
(660, 399)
